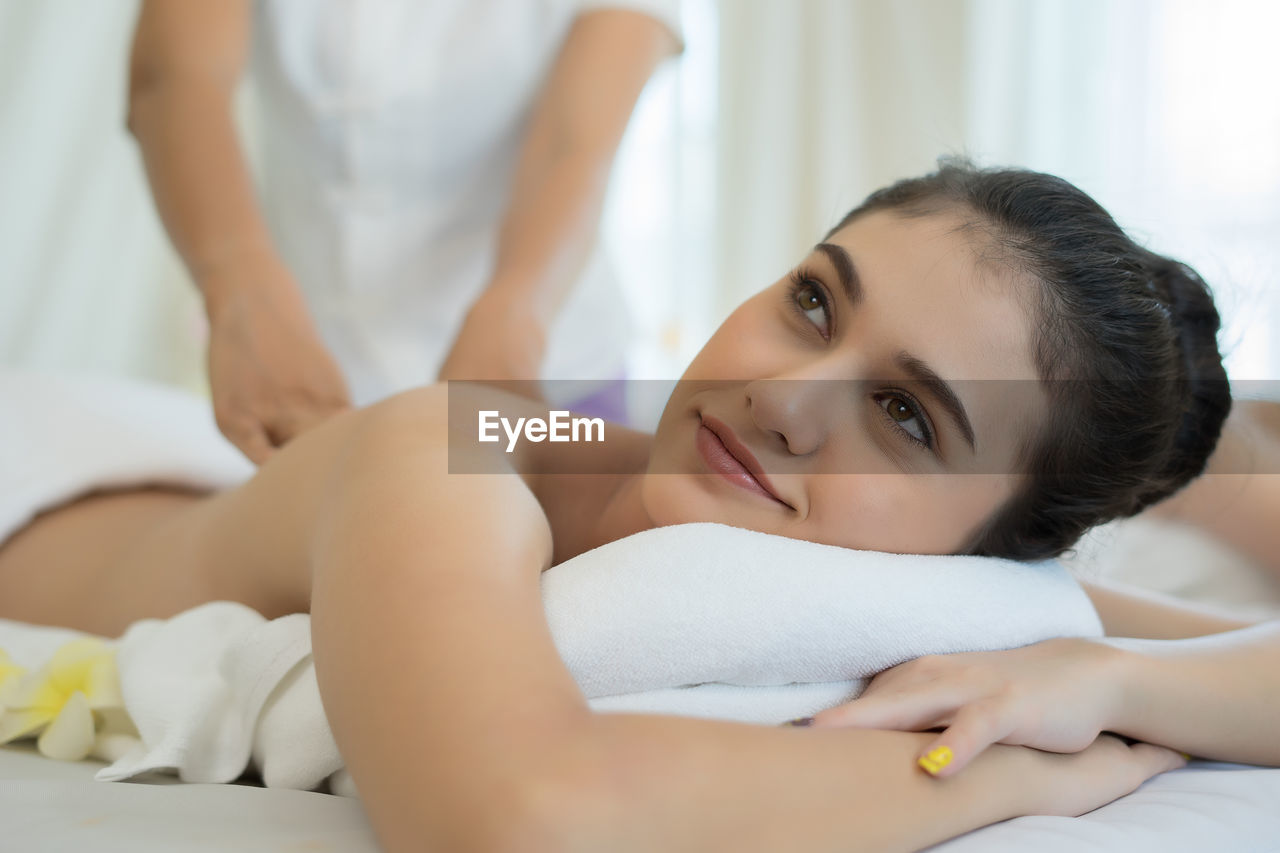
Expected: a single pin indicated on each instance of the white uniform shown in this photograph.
(389, 136)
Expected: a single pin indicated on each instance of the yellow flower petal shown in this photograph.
(111, 746)
(85, 666)
(70, 736)
(7, 667)
(17, 723)
(9, 675)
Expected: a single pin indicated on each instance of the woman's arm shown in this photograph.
(558, 190)
(464, 730)
(271, 376)
(1221, 674)
(1215, 696)
(1213, 693)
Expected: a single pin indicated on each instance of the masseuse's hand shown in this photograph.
(501, 342)
(1057, 695)
(270, 374)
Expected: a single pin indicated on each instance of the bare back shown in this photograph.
(108, 559)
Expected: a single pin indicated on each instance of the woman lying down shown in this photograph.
(975, 362)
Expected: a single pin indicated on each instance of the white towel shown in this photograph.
(699, 619)
(63, 435)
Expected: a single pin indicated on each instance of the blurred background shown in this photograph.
(780, 115)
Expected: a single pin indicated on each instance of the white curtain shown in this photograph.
(1164, 110)
(780, 116)
(87, 280)
(821, 101)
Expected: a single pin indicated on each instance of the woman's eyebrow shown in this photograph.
(912, 366)
(845, 270)
(940, 391)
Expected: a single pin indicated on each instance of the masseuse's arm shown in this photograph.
(464, 730)
(271, 376)
(554, 211)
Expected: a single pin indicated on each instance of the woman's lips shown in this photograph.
(718, 458)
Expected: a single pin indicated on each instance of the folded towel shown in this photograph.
(697, 619)
(64, 435)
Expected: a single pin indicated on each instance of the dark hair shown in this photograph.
(1126, 348)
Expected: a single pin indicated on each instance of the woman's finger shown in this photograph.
(905, 710)
(974, 728)
(1154, 760)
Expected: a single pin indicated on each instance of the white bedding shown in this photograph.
(55, 807)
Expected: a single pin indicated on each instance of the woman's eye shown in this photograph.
(903, 413)
(809, 298)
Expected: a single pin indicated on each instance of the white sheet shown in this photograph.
(53, 807)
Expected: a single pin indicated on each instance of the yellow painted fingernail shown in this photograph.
(936, 759)
(1186, 756)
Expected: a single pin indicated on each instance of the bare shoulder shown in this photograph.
(402, 448)
(448, 419)
(1135, 612)
(1238, 497)
(406, 484)
(425, 408)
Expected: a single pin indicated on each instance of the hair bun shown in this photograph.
(1186, 300)
(1126, 349)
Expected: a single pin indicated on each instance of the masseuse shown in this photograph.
(433, 173)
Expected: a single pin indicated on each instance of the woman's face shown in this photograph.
(863, 389)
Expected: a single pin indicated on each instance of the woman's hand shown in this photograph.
(1057, 695)
(1105, 770)
(270, 374)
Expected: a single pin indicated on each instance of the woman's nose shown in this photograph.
(799, 411)
(803, 401)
